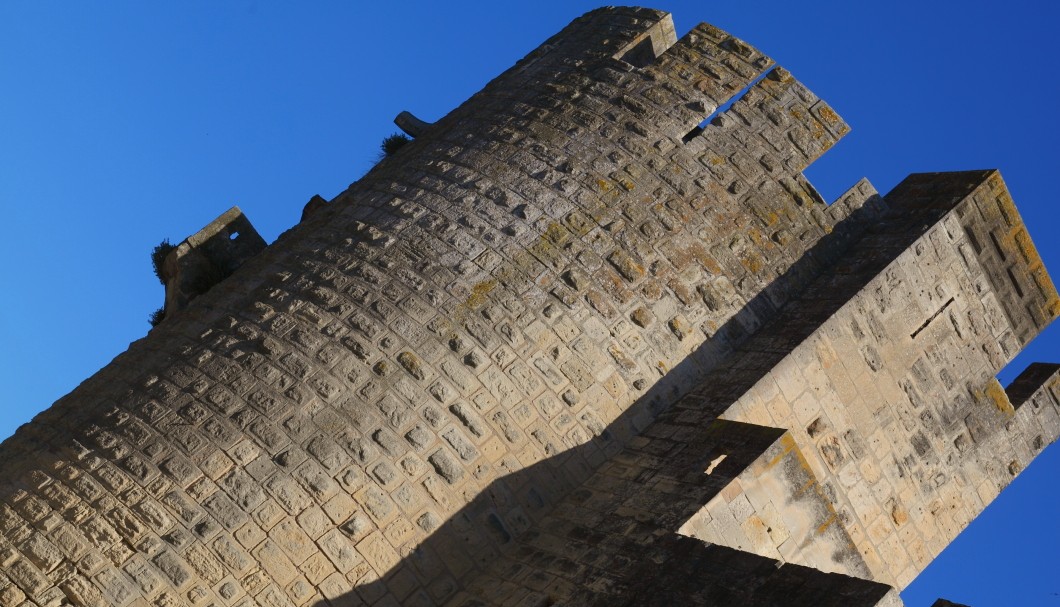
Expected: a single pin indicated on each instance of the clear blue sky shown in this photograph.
(123, 123)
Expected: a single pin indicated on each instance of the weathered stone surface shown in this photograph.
(570, 346)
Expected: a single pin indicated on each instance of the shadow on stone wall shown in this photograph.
(613, 540)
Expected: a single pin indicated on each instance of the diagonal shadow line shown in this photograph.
(478, 543)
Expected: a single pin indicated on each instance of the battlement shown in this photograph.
(1037, 379)
(904, 288)
(570, 345)
(207, 257)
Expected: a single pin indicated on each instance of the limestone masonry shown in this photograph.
(573, 345)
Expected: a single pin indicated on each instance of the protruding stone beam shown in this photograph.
(413, 126)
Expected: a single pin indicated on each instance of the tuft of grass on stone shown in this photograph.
(156, 317)
(392, 143)
(158, 257)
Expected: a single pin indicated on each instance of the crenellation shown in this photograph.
(566, 346)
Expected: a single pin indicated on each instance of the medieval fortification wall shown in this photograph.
(573, 345)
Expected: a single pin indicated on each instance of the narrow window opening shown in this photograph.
(931, 318)
(233, 236)
(723, 108)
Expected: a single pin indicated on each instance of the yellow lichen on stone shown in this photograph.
(818, 130)
(479, 293)
(1007, 207)
(787, 445)
(709, 328)
(826, 524)
(1050, 307)
(753, 263)
(996, 394)
(781, 74)
(555, 233)
(757, 237)
(1026, 247)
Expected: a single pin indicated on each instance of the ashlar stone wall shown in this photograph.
(491, 371)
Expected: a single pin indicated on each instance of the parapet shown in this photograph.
(502, 367)
(207, 257)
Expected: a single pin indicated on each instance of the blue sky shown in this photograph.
(124, 123)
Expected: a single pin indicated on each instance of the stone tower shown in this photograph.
(585, 341)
